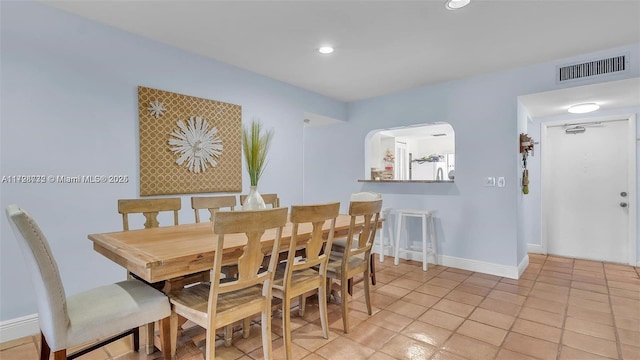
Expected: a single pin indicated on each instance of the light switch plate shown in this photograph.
(490, 181)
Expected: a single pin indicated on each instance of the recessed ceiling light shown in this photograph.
(325, 50)
(456, 4)
(583, 108)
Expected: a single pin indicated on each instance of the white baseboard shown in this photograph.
(523, 265)
(20, 327)
(511, 272)
(535, 249)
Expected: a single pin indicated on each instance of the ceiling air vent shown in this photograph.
(611, 65)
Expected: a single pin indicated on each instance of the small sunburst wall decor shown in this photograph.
(187, 144)
(197, 144)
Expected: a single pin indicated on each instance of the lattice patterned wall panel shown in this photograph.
(159, 115)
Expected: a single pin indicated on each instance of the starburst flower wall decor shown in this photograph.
(156, 108)
(196, 144)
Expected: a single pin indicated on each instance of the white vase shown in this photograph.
(254, 200)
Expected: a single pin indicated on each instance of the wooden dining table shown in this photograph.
(172, 252)
(169, 256)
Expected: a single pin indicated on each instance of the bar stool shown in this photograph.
(428, 238)
(386, 227)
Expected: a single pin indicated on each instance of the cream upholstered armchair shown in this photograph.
(108, 312)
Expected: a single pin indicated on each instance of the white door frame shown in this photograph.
(546, 182)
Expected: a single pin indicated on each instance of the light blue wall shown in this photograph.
(69, 107)
(485, 224)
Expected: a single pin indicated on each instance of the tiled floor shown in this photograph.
(561, 308)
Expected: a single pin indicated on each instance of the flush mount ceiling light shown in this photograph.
(456, 4)
(325, 50)
(583, 108)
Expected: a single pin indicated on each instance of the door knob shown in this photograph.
(623, 204)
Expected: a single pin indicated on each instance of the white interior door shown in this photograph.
(587, 172)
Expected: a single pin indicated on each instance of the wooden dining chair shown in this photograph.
(98, 316)
(150, 208)
(216, 304)
(308, 271)
(340, 244)
(269, 199)
(356, 258)
(212, 203)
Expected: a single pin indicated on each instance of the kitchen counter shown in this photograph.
(407, 181)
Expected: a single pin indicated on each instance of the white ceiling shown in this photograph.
(381, 46)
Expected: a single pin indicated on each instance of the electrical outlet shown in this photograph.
(490, 181)
(501, 181)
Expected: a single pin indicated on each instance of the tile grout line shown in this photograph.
(566, 313)
(445, 268)
(517, 316)
(441, 348)
(613, 316)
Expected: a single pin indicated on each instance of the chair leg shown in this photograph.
(165, 338)
(432, 236)
(367, 296)
(373, 270)
(136, 339)
(60, 355)
(266, 331)
(173, 330)
(228, 335)
(424, 243)
(246, 327)
(149, 330)
(322, 304)
(396, 256)
(44, 348)
(343, 305)
(211, 344)
(302, 303)
(286, 326)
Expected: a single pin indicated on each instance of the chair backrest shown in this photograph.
(365, 234)
(50, 296)
(252, 224)
(365, 196)
(212, 203)
(269, 199)
(149, 208)
(312, 218)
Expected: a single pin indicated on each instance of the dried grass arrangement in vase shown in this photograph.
(255, 144)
